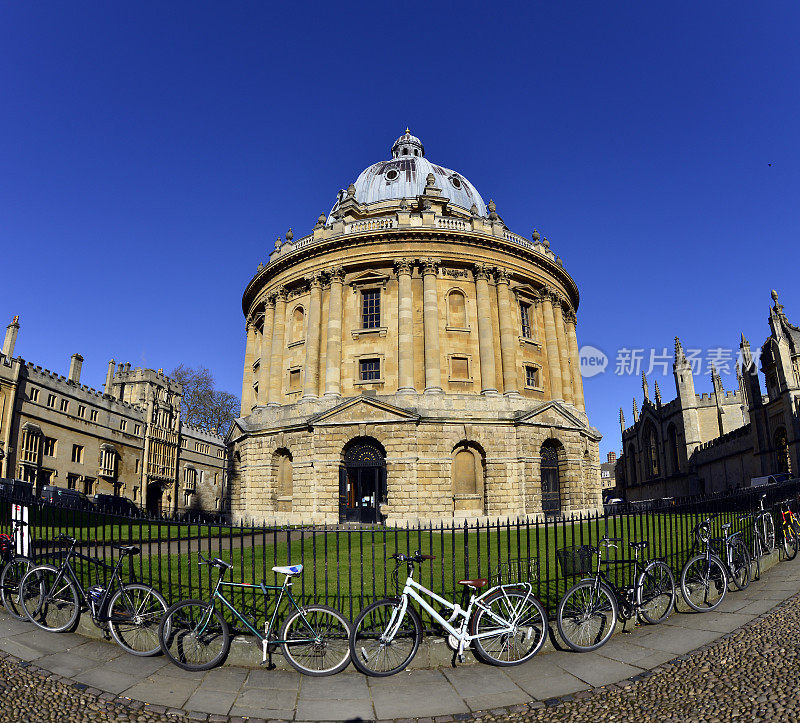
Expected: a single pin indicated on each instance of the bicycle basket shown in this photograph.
(525, 569)
(576, 560)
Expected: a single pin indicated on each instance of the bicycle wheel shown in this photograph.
(49, 599)
(739, 563)
(10, 578)
(371, 651)
(789, 541)
(194, 635)
(134, 618)
(317, 640)
(655, 592)
(516, 609)
(766, 528)
(587, 615)
(704, 583)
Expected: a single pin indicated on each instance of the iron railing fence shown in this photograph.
(349, 567)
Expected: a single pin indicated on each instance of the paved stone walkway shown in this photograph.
(746, 671)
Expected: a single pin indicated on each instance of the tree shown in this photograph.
(203, 406)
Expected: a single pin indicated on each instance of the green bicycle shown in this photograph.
(314, 638)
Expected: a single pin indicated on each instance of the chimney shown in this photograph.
(109, 378)
(612, 457)
(75, 364)
(11, 338)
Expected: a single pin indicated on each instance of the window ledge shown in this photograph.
(460, 381)
(369, 381)
(523, 340)
(283, 498)
(466, 329)
(379, 330)
(467, 497)
(534, 389)
(292, 344)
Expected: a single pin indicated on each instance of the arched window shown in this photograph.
(650, 448)
(781, 451)
(456, 310)
(550, 477)
(673, 448)
(282, 468)
(467, 477)
(298, 323)
(631, 465)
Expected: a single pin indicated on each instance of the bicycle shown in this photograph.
(53, 597)
(789, 538)
(14, 569)
(736, 556)
(765, 526)
(589, 610)
(704, 573)
(506, 625)
(195, 636)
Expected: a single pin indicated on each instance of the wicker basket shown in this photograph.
(576, 560)
(524, 569)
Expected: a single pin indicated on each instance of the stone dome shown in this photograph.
(405, 176)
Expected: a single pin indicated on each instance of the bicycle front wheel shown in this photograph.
(655, 591)
(10, 579)
(317, 640)
(49, 599)
(766, 528)
(372, 649)
(704, 583)
(587, 615)
(511, 626)
(194, 635)
(739, 563)
(134, 614)
(789, 542)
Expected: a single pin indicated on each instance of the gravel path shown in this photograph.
(750, 674)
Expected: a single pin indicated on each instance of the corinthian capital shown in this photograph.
(403, 266)
(280, 294)
(502, 276)
(314, 280)
(336, 273)
(482, 271)
(429, 266)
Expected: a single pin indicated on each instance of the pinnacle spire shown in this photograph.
(679, 355)
(621, 420)
(645, 387)
(635, 411)
(658, 393)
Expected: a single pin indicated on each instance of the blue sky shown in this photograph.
(152, 152)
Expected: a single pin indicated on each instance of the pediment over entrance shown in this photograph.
(553, 414)
(362, 410)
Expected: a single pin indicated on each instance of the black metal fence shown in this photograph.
(350, 567)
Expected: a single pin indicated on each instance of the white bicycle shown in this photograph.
(506, 625)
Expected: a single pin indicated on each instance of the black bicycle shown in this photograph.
(704, 578)
(589, 610)
(14, 569)
(53, 597)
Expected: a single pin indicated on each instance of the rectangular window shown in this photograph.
(525, 317)
(123, 424)
(34, 395)
(77, 453)
(459, 367)
(51, 400)
(30, 446)
(371, 308)
(50, 446)
(531, 376)
(93, 415)
(81, 411)
(72, 481)
(65, 405)
(294, 380)
(108, 462)
(137, 428)
(369, 370)
(136, 467)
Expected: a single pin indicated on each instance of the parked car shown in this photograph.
(113, 505)
(770, 479)
(71, 499)
(202, 517)
(614, 506)
(16, 490)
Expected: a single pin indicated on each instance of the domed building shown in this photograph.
(411, 359)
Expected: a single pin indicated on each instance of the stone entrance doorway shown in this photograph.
(154, 495)
(551, 487)
(362, 481)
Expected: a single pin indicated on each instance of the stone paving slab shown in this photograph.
(441, 693)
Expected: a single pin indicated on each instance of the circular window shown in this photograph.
(392, 174)
(456, 181)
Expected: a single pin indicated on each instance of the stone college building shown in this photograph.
(411, 359)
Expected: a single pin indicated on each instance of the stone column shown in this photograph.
(507, 340)
(247, 375)
(276, 362)
(333, 354)
(485, 331)
(311, 385)
(551, 344)
(266, 351)
(405, 336)
(577, 379)
(563, 350)
(430, 315)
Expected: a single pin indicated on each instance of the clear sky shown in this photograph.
(151, 153)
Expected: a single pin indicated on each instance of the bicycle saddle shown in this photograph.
(638, 545)
(726, 526)
(288, 570)
(127, 549)
(477, 583)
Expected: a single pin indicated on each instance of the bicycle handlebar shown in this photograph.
(416, 557)
(216, 562)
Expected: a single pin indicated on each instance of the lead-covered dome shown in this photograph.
(405, 176)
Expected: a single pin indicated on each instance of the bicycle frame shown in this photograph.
(600, 576)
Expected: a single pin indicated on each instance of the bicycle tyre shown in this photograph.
(13, 572)
(694, 577)
(655, 592)
(51, 609)
(514, 648)
(599, 616)
(181, 644)
(767, 532)
(789, 542)
(330, 649)
(366, 649)
(739, 563)
(140, 636)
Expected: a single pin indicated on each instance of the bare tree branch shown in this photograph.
(203, 406)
